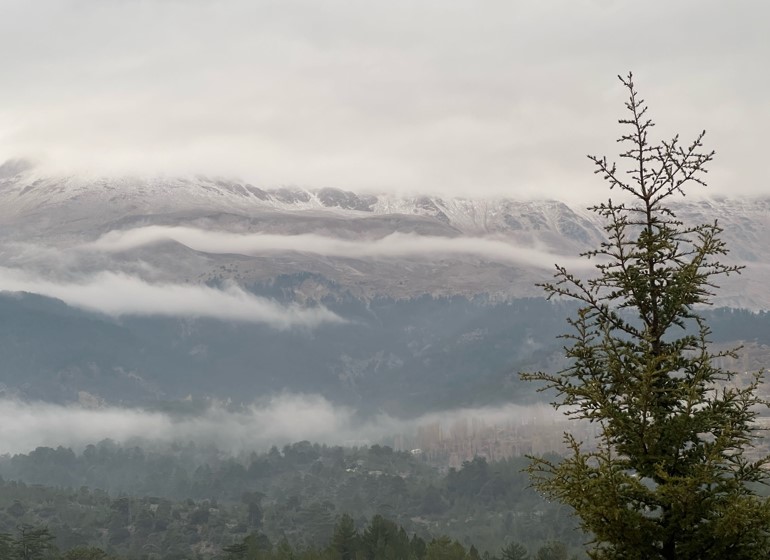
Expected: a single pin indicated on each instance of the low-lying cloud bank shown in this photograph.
(395, 245)
(119, 294)
(280, 420)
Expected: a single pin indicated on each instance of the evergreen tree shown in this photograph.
(514, 551)
(32, 543)
(670, 474)
(236, 551)
(552, 551)
(284, 551)
(7, 545)
(345, 538)
(384, 540)
(85, 553)
(417, 547)
(444, 548)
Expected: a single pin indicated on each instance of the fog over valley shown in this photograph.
(118, 294)
(279, 420)
(394, 245)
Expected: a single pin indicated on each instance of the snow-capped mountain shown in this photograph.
(70, 212)
(26, 195)
(158, 288)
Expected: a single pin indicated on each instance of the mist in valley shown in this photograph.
(276, 421)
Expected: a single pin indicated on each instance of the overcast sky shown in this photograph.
(457, 97)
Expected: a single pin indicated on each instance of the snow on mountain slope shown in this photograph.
(78, 203)
(65, 212)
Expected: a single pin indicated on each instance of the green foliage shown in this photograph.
(85, 553)
(445, 548)
(552, 551)
(181, 497)
(32, 543)
(7, 546)
(28, 543)
(345, 541)
(514, 551)
(236, 551)
(670, 475)
(294, 500)
(381, 539)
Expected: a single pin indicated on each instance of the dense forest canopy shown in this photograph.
(185, 498)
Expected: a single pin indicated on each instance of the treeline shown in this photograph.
(382, 539)
(131, 500)
(728, 324)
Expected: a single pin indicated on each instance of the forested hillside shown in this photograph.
(138, 502)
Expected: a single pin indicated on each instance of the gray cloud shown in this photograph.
(437, 96)
(278, 420)
(391, 246)
(119, 294)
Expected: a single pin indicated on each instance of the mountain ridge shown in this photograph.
(63, 212)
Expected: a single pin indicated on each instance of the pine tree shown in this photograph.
(32, 543)
(85, 553)
(552, 551)
(345, 538)
(669, 475)
(514, 551)
(7, 545)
